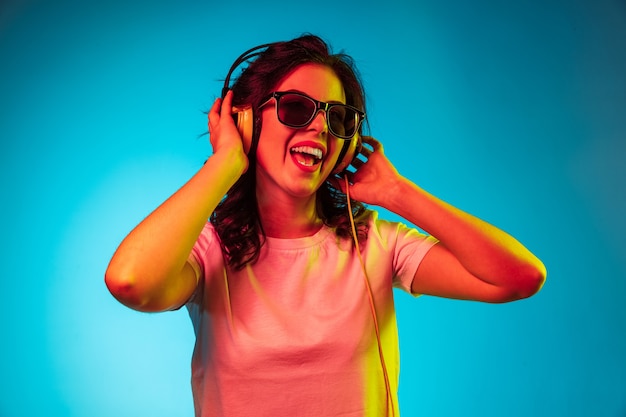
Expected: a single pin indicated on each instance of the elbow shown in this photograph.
(520, 284)
(124, 288)
(528, 282)
(144, 292)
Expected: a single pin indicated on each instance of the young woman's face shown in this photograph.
(296, 161)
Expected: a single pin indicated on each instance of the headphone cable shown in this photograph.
(381, 355)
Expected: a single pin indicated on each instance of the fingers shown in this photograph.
(369, 154)
(214, 114)
(372, 142)
(358, 163)
(220, 108)
(365, 152)
(227, 105)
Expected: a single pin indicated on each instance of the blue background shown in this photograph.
(514, 111)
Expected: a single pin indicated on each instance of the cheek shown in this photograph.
(267, 152)
(272, 141)
(335, 147)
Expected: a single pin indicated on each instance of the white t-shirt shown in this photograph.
(293, 334)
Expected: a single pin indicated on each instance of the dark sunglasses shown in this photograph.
(298, 110)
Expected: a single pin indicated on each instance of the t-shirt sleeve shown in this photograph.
(409, 247)
(198, 257)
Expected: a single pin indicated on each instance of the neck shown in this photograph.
(289, 218)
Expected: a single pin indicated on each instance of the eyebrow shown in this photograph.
(293, 90)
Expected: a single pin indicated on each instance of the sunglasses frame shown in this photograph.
(319, 105)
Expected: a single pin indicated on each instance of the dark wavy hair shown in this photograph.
(236, 218)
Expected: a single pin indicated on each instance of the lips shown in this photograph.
(307, 156)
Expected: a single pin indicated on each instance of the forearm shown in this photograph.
(152, 256)
(485, 251)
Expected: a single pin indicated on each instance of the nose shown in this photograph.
(319, 122)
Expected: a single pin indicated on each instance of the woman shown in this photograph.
(292, 308)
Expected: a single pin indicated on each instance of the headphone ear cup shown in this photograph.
(353, 148)
(244, 122)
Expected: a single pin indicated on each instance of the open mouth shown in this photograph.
(306, 155)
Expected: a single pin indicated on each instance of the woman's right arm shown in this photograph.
(149, 270)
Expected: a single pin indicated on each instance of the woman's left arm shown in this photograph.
(473, 260)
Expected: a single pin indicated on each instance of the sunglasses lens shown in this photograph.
(342, 121)
(295, 110)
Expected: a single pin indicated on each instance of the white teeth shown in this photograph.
(306, 164)
(317, 153)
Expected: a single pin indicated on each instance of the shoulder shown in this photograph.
(388, 230)
(207, 244)
(397, 239)
(208, 235)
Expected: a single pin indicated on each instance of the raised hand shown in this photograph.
(222, 130)
(375, 176)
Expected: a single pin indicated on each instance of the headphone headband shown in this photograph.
(246, 56)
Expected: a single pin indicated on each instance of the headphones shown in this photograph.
(244, 117)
